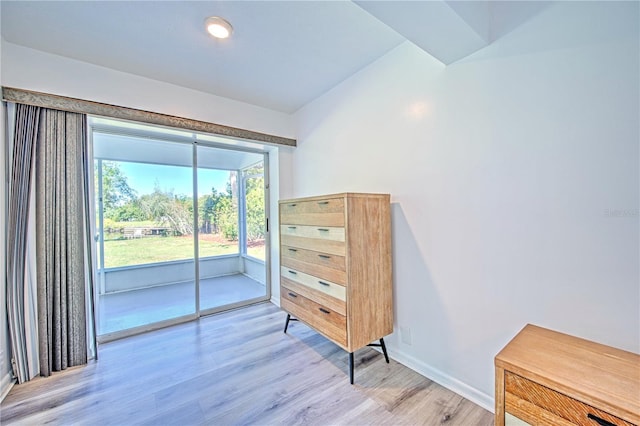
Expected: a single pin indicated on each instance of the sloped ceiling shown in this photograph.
(282, 54)
(451, 30)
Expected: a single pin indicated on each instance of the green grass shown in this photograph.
(257, 252)
(137, 251)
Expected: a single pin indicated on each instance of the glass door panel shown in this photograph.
(146, 264)
(254, 196)
(227, 275)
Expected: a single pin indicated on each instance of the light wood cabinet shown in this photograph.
(548, 378)
(335, 257)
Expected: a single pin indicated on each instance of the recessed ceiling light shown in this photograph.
(218, 27)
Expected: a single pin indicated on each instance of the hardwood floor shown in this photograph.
(236, 368)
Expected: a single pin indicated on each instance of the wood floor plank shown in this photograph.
(236, 368)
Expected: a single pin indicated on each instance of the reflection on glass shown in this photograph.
(217, 212)
(231, 228)
(255, 214)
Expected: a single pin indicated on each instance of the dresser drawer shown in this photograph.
(327, 212)
(324, 299)
(524, 396)
(325, 286)
(329, 266)
(328, 322)
(317, 232)
(326, 246)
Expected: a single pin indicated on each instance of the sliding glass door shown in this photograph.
(145, 231)
(231, 225)
(181, 226)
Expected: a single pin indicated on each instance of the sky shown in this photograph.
(142, 178)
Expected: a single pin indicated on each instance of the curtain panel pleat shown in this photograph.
(54, 143)
(19, 185)
(61, 221)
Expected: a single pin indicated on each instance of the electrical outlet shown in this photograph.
(405, 335)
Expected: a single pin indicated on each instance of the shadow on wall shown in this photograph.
(507, 16)
(421, 327)
(523, 28)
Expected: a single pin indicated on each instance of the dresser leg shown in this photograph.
(384, 350)
(351, 367)
(286, 324)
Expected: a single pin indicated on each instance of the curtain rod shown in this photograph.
(82, 106)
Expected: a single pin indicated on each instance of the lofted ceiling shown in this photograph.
(282, 54)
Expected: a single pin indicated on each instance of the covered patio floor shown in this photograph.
(127, 309)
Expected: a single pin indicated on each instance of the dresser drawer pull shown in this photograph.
(292, 249)
(293, 272)
(292, 205)
(293, 294)
(323, 283)
(324, 256)
(323, 229)
(324, 311)
(601, 422)
(323, 202)
(292, 227)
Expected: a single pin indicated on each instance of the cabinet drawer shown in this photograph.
(315, 257)
(523, 395)
(329, 266)
(325, 286)
(324, 299)
(337, 248)
(328, 212)
(317, 232)
(322, 319)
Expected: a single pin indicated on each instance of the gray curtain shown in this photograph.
(21, 159)
(54, 145)
(62, 240)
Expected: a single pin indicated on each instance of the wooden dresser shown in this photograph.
(548, 378)
(335, 257)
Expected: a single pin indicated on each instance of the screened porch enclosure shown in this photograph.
(180, 225)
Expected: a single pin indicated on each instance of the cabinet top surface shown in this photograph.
(594, 373)
(339, 195)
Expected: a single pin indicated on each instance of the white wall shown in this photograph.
(280, 174)
(514, 180)
(31, 69)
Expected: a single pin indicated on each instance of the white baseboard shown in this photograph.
(472, 394)
(5, 385)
